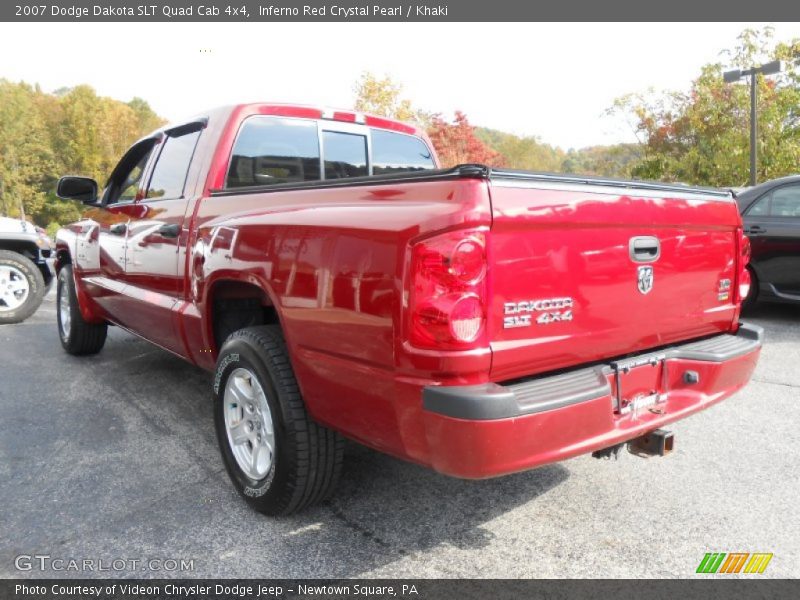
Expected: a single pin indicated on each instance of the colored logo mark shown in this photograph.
(734, 562)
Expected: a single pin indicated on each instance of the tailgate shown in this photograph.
(583, 273)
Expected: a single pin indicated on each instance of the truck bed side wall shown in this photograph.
(332, 262)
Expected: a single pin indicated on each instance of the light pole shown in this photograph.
(735, 75)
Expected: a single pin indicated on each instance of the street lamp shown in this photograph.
(730, 76)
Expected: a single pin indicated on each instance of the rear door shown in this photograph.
(773, 225)
(584, 273)
(156, 241)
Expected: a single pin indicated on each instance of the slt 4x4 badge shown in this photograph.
(549, 310)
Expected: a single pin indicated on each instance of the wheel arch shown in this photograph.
(234, 302)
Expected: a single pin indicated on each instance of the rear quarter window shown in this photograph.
(398, 153)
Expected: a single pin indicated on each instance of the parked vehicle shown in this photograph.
(771, 215)
(26, 269)
(339, 283)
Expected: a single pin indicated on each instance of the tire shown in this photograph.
(257, 402)
(21, 287)
(77, 336)
(752, 297)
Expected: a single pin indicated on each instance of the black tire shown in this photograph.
(80, 338)
(36, 288)
(752, 297)
(307, 458)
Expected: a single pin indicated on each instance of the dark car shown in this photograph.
(771, 215)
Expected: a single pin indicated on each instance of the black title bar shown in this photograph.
(401, 10)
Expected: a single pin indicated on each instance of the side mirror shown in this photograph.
(77, 188)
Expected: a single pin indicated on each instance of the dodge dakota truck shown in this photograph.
(339, 284)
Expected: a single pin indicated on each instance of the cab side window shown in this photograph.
(125, 180)
(172, 167)
(398, 153)
(272, 150)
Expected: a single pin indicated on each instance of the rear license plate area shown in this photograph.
(639, 385)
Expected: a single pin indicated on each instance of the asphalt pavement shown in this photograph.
(114, 457)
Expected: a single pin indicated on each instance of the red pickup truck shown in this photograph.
(339, 283)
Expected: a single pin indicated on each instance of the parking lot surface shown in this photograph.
(115, 457)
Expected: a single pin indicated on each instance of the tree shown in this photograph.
(527, 152)
(616, 160)
(73, 130)
(382, 97)
(456, 143)
(26, 157)
(701, 136)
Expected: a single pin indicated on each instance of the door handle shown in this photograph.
(755, 230)
(170, 230)
(644, 248)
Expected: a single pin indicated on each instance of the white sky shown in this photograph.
(545, 79)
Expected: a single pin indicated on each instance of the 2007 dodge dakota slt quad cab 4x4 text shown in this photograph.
(339, 283)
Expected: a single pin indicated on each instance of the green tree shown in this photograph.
(616, 160)
(701, 136)
(26, 157)
(527, 152)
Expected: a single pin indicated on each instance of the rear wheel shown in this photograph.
(277, 457)
(21, 287)
(77, 336)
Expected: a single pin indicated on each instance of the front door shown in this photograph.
(101, 245)
(773, 225)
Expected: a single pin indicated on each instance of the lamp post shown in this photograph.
(735, 75)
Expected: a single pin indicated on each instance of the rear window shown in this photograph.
(345, 154)
(272, 150)
(396, 153)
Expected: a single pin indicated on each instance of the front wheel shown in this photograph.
(21, 287)
(277, 457)
(77, 336)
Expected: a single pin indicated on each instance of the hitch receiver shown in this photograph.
(655, 443)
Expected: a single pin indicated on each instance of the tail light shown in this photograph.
(448, 296)
(744, 260)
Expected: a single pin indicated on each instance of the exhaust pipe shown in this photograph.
(656, 443)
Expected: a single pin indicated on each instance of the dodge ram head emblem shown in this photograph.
(645, 279)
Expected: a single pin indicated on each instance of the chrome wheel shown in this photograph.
(64, 314)
(248, 423)
(14, 288)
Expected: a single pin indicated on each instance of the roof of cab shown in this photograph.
(331, 114)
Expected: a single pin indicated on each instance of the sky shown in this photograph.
(550, 80)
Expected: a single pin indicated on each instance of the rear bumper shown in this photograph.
(491, 429)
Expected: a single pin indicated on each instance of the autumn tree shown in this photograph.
(382, 96)
(456, 143)
(702, 136)
(72, 131)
